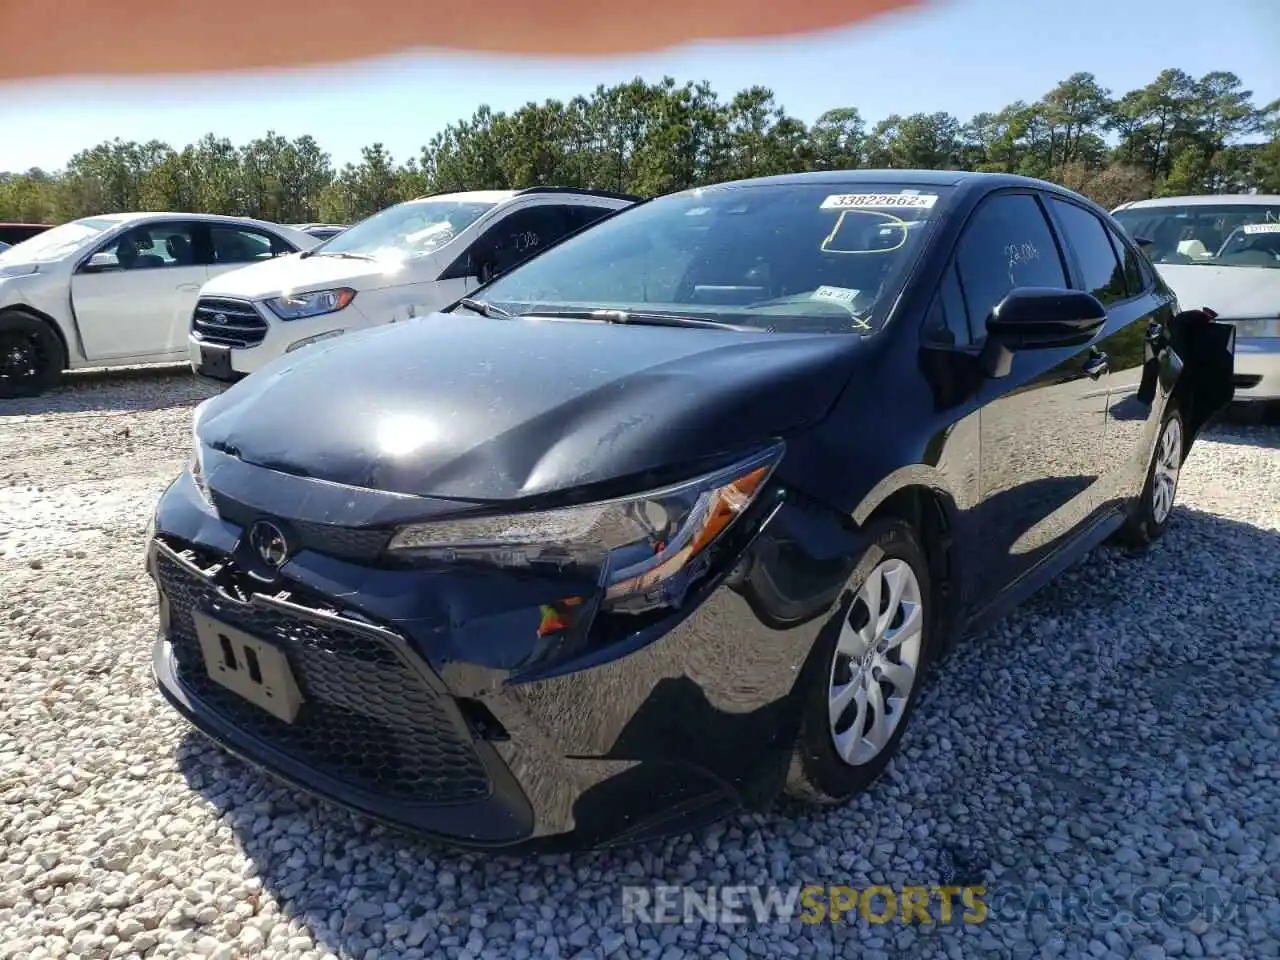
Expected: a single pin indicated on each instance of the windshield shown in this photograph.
(1223, 235)
(812, 257)
(57, 242)
(405, 230)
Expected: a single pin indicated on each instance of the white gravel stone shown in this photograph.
(1119, 732)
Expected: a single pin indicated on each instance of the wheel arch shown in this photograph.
(48, 321)
(918, 496)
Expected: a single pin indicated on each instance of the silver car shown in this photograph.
(1222, 252)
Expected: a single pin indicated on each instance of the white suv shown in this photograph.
(409, 260)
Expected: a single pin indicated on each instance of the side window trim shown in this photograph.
(950, 273)
(954, 269)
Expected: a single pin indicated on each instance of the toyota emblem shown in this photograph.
(219, 318)
(269, 542)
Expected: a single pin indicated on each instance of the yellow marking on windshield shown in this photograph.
(890, 221)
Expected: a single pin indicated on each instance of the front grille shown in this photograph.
(368, 718)
(241, 324)
(345, 543)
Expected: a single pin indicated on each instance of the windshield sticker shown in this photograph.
(880, 201)
(1252, 228)
(839, 294)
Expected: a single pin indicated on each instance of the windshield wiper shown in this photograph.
(640, 319)
(337, 253)
(484, 307)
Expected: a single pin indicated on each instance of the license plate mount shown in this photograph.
(215, 361)
(254, 669)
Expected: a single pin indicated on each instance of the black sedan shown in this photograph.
(672, 519)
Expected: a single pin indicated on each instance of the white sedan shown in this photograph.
(118, 289)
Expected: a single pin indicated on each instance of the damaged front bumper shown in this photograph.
(431, 703)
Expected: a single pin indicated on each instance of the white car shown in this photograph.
(1222, 252)
(117, 289)
(408, 260)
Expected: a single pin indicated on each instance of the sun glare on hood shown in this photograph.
(402, 434)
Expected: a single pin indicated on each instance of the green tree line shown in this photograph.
(1177, 135)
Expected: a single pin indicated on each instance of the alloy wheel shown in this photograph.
(877, 662)
(1164, 477)
(19, 357)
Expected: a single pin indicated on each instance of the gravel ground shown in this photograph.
(1117, 734)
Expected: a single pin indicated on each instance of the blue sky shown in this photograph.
(963, 56)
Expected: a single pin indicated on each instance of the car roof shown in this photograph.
(963, 181)
(472, 196)
(1203, 200)
(937, 178)
(142, 216)
(502, 196)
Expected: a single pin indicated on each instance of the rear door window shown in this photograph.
(1101, 273)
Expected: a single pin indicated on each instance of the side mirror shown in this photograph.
(99, 263)
(1039, 318)
(1143, 242)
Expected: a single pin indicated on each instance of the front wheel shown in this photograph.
(864, 676)
(1149, 517)
(30, 356)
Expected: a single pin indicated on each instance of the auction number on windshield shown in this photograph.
(880, 201)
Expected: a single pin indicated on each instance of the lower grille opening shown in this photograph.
(369, 717)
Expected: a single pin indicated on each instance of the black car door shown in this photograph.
(1108, 266)
(1041, 426)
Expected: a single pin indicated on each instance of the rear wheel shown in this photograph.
(30, 356)
(865, 675)
(1149, 517)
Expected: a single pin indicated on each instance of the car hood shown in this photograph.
(1231, 292)
(296, 273)
(463, 407)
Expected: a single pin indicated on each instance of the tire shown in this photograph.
(820, 773)
(1149, 516)
(31, 356)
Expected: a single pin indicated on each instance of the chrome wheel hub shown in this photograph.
(876, 662)
(1164, 478)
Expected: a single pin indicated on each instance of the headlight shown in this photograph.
(196, 463)
(299, 306)
(647, 548)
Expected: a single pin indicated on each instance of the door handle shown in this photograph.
(1097, 364)
(188, 287)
